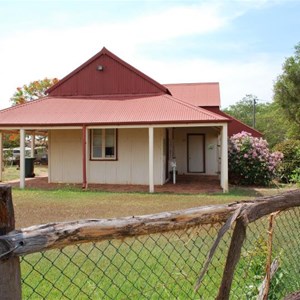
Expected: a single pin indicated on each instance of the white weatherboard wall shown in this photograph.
(211, 148)
(66, 156)
(132, 166)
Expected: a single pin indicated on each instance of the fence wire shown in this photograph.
(166, 265)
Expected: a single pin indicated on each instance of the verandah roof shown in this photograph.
(143, 109)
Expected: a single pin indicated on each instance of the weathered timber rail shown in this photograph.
(57, 235)
(39, 238)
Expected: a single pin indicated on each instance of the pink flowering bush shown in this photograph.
(250, 160)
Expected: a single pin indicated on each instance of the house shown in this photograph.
(107, 122)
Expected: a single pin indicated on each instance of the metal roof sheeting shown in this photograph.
(106, 110)
(107, 90)
(198, 94)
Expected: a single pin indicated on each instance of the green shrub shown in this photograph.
(250, 160)
(289, 170)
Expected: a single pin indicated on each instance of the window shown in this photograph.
(103, 144)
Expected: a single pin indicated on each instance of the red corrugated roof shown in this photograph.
(146, 109)
(118, 94)
(198, 94)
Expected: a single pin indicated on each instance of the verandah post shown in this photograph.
(10, 278)
(22, 158)
(1, 156)
(151, 159)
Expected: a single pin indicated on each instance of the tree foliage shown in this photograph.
(243, 109)
(291, 161)
(32, 91)
(274, 126)
(11, 140)
(270, 119)
(287, 87)
(28, 92)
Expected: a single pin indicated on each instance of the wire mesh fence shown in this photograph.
(166, 265)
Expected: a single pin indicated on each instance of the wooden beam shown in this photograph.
(250, 213)
(10, 279)
(234, 253)
(57, 235)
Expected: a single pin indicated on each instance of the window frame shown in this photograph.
(103, 158)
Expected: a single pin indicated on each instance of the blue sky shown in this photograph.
(241, 44)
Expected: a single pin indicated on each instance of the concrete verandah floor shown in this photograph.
(185, 184)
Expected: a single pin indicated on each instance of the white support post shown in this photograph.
(32, 145)
(87, 155)
(84, 182)
(49, 156)
(151, 160)
(224, 158)
(1, 156)
(22, 158)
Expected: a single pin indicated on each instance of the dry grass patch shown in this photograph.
(39, 206)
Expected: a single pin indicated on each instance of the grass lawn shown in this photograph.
(163, 266)
(38, 206)
(159, 266)
(12, 172)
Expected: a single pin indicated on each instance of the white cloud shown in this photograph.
(27, 56)
(236, 78)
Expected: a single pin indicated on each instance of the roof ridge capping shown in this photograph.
(105, 51)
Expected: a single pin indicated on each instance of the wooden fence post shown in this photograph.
(10, 275)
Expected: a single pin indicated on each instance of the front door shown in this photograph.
(195, 152)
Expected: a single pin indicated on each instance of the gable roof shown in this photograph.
(106, 74)
(113, 110)
(198, 94)
(105, 90)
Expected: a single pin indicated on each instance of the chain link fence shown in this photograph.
(167, 265)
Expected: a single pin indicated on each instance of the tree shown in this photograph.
(29, 92)
(10, 140)
(274, 126)
(32, 91)
(269, 119)
(287, 87)
(243, 110)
